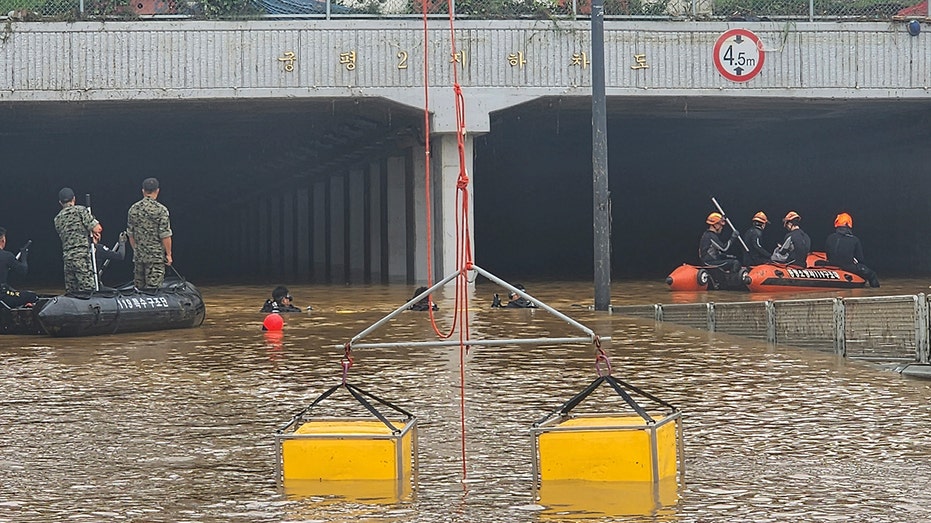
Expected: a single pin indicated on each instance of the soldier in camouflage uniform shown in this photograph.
(150, 236)
(75, 224)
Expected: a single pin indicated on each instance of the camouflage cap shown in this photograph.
(65, 195)
(150, 184)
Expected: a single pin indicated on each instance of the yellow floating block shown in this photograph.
(608, 448)
(347, 450)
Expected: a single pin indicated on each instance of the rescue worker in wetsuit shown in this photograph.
(280, 301)
(756, 255)
(795, 247)
(712, 250)
(845, 251)
(17, 264)
(515, 301)
(424, 304)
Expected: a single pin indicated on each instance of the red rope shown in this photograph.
(464, 262)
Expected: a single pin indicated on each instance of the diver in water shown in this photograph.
(515, 301)
(425, 303)
(280, 301)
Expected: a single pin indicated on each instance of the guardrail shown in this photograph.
(695, 10)
(883, 328)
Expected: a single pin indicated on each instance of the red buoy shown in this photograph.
(273, 322)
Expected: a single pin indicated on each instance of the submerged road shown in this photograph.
(178, 425)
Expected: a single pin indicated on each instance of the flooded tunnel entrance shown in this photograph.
(668, 156)
(533, 197)
(232, 173)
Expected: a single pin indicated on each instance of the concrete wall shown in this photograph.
(168, 60)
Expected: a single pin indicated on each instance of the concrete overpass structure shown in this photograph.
(293, 149)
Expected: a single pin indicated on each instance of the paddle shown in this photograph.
(728, 220)
(87, 198)
(24, 249)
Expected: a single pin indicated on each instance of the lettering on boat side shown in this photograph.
(143, 303)
(816, 274)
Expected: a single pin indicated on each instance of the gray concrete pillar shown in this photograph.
(337, 213)
(376, 225)
(287, 236)
(242, 252)
(356, 229)
(255, 232)
(302, 242)
(320, 231)
(263, 237)
(397, 220)
(446, 177)
(273, 253)
(419, 205)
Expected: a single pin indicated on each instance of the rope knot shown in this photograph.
(601, 359)
(346, 361)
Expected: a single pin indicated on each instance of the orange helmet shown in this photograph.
(843, 220)
(760, 217)
(791, 216)
(714, 218)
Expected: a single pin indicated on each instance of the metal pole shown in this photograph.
(472, 342)
(93, 248)
(538, 303)
(602, 197)
(402, 308)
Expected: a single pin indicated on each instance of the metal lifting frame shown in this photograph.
(589, 338)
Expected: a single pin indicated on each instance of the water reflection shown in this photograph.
(178, 425)
(584, 500)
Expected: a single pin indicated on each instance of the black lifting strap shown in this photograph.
(617, 386)
(643, 393)
(629, 399)
(360, 396)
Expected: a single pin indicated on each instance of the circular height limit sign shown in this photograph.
(738, 55)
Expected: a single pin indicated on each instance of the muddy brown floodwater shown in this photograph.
(178, 426)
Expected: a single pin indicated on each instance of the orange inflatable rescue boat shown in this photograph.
(696, 278)
(818, 276)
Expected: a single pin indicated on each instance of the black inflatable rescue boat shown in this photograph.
(177, 304)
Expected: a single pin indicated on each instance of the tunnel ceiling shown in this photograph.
(223, 150)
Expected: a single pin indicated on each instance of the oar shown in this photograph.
(728, 220)
(25, 248)
(87, 197)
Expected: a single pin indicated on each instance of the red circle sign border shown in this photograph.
(720, 67)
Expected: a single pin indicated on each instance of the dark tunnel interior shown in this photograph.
(211, 158)
(668, 158)
(533, 186)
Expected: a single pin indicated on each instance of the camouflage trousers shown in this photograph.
(79, 274)
(148, 275)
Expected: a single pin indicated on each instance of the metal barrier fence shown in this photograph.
(740, 10)
(884, 328)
